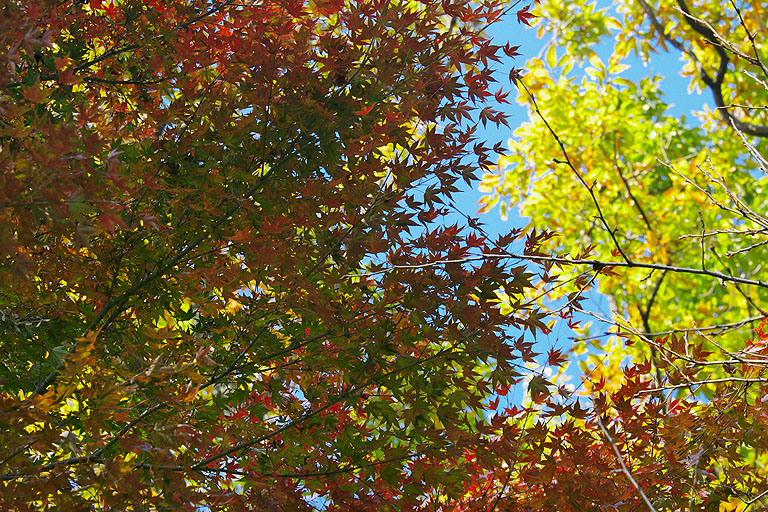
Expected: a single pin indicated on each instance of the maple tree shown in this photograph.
(226, 284)
(666, 216)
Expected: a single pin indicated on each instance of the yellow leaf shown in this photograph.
(595, 61)
(618, 68)
(621, 50)
(733, 504)
(624, 81)
(567, 67)
(551, 56)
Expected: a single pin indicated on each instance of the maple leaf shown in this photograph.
(555, 357)
(365, 110)
(515, 75)
(523, 15)
(539, 388)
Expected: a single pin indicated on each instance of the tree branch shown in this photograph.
(621, 463)
(714, 84)
(601, 264)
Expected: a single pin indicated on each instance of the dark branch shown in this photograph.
(715, 84)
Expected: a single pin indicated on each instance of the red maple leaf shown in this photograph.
(523, 15)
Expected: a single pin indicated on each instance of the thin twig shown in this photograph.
(621, 462)
(567, 161)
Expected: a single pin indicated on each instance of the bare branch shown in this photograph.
(601, 264)
(704, 382)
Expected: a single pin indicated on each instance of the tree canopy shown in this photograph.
(229, 281)
(226, 284)
(643, 164)
(665, 214)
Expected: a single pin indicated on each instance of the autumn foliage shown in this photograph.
(663, 211)
(233, 278)
(226, 282)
